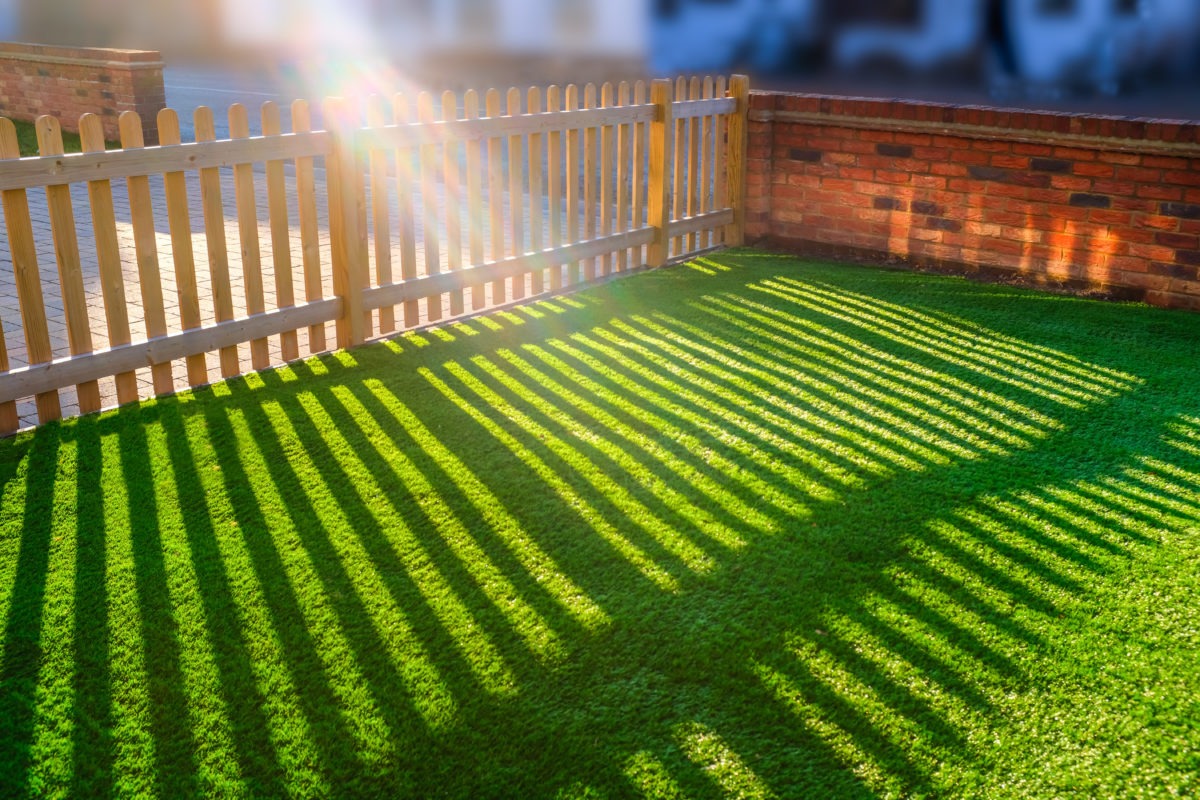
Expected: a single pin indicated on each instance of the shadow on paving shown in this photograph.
(732, 530)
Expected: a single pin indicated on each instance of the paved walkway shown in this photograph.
(10, 317)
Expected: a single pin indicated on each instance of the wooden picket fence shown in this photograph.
(450, 210)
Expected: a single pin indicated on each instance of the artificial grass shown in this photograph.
(752, 527)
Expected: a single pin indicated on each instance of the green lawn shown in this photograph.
(27, 137)
(753, 527)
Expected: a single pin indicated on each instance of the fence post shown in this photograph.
(735, 160)
(343, 176)
(661, 159)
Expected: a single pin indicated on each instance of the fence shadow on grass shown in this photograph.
(737, 531)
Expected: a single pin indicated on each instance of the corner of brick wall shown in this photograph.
(1080, 201)
(759, 159)
(68, 82)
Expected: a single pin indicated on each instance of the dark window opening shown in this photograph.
(1056, 8)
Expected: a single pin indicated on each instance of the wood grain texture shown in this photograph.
(65, 371)
(407, 214)
(591, 180)
(704, 205)
(679, 190)
(735, 165)
(537, 198)
(475, 220)
(495, 170)
(621, 215)
(180, 224)
(693, 164)
(23, 251)
(554, 183)
(62, 170)
(247, 217)
(658, 195)
(310, 241)
(512, 266)
(640, 147)
(145, 245)
(341, 175)
(720, 179)
(574, 164)
(108, 256)
(482, 128)
(381, 227)
(607, 185)
(430, 234)
(453, 193)
(516, 191)
(281, 243)
(214, 234)
(70, 270)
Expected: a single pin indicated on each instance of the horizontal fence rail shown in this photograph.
(140, 271)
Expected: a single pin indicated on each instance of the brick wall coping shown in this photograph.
(84, 56)
(1144, 135)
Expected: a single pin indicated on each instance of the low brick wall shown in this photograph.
(68, 82)
(1060, 199)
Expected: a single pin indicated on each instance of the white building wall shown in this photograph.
(556, 27)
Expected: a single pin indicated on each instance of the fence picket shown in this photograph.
(281, 245)
(429, 202)
(516, 192)
(310, 241)
(408, 226)
(347, 224)
(706, 162)
(23, 250)
(180, 224)
(9, 419)
(622, 214)
(572, 178)
(720, 200)
(453, 194)
(536, 198)
(108, 256)
(380, 216)
(591, 157)
(474, 197)
(495, 161)
(554, 186)
(639, 172)
(214, 234)
(607, 100)
(145, 245)
(739, 89)
(658, 195)
(680, 188)
(247, 214)
(70, 271)
(693, 165)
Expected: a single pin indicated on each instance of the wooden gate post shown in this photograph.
(735, 159)
(344, 177)
(661, 158)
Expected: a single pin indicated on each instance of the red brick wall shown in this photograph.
(67, 82)
(1088, 202)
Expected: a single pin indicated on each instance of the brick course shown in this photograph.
(1060, 199)
(67, 82)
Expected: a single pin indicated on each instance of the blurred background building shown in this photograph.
(492, 38)
(1039, 48)
(1008, 50)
